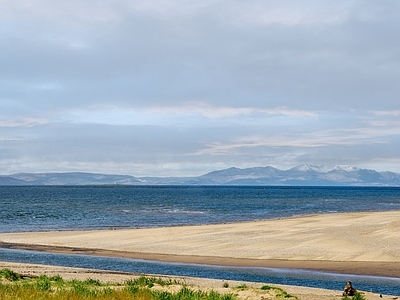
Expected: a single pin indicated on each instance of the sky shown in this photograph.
(181, 88)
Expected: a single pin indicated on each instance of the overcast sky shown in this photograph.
(183, 87)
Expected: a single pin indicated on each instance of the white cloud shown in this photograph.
(310, 140)
(394, 113)
(215, 112)
(190, 114)
(23, 122)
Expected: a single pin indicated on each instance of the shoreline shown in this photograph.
(376, 268)
(360, 243)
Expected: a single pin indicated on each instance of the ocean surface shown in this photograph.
(92, 207)
(60, 208)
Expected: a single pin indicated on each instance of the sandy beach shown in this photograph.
(355, 243)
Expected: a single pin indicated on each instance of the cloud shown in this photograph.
(307, 140)
(165, 51)
(28, 122)
(167, 85)
(394, 113)
(186, 115)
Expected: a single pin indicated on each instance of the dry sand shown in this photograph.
(357, 243)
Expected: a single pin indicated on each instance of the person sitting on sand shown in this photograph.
(349, 290)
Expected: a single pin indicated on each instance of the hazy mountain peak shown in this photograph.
(307, 167)
(346, 168)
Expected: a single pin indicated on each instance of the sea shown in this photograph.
(44, 208)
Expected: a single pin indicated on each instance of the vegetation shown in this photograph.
(9, 275)
(13, 287)
(144, 281)
(357, 296)
(242, 287)
(279, 292)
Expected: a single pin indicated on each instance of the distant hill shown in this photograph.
(302, 175)
(72, 178)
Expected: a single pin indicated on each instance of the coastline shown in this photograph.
(364, 243)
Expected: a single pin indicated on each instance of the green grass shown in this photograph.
(241, 287)
(56, 288)
(357, 296)
(267, 288)
(9, 275)
(151, 281)
(279, 292)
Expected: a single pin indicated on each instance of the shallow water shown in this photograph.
(332, 281)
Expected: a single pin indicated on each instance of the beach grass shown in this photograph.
(9, 275)
(357, 296)
(14, 286)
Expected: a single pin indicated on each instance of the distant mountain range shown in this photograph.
(303, 175)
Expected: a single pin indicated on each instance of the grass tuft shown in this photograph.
(9, 275)
(279, 292)
(357, 296)
(242, 287)
(267, 288)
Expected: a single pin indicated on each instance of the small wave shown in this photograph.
(45, 216)
(183, 211)
(22, 214)
(390, 204)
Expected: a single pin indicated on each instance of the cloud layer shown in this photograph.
(181, 87)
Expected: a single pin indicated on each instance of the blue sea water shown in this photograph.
(60, 208)
(102, 207)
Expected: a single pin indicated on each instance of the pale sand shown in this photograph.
(251, 292)
(359, 243)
